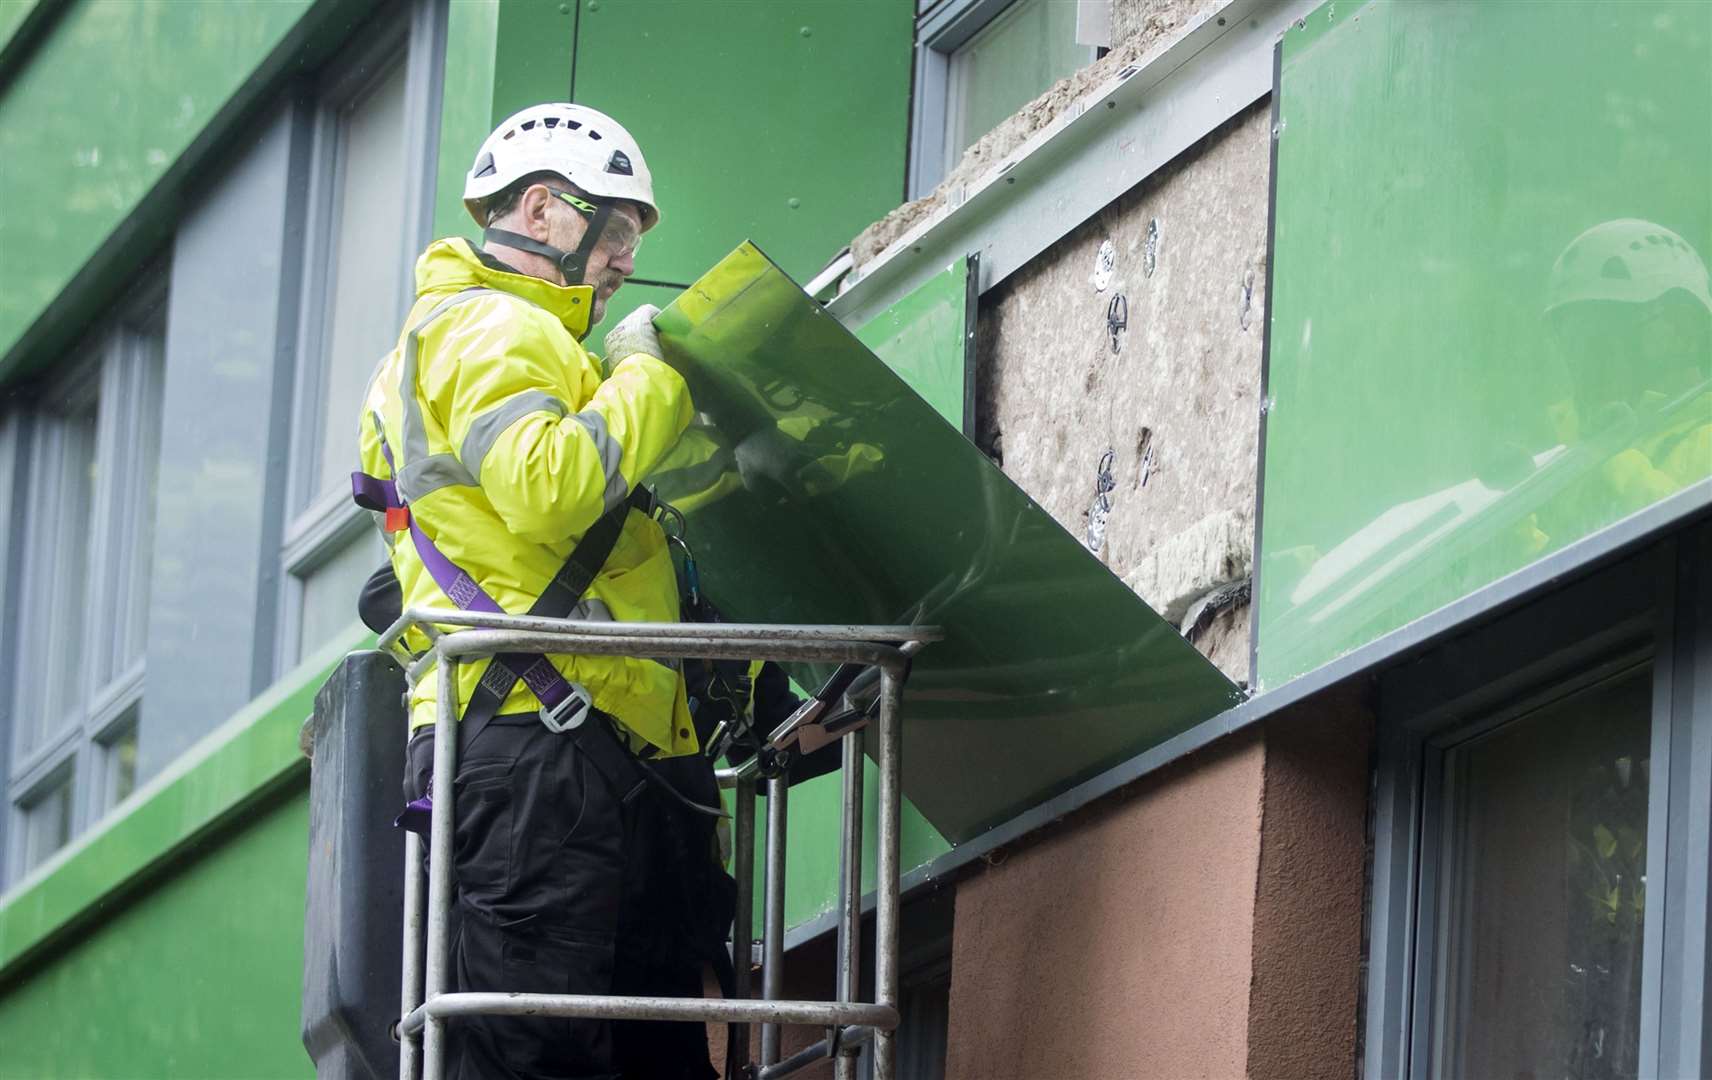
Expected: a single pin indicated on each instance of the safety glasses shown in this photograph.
(620, 236)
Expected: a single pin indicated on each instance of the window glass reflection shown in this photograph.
(1491, 320)
(47, 824)
(1538, 969)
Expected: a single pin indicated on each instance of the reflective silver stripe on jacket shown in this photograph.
(610, 454)
(486, 429)
(421, 472)
(420, 476)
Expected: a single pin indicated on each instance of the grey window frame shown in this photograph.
(319, 525)
(127, 394)
(940, 30)
(13, 429)
(1655, 607)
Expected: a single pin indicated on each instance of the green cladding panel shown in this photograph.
(925, 338)
(199, 978)
(1491, 330)
(87, 134)
(786, 121)
(820, 488)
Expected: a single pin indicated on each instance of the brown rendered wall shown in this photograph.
(1117, 945)
(1310, 893)
(1204, 923)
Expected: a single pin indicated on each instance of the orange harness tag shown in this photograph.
(397, 519)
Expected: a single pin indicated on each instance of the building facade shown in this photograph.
(1367, 344)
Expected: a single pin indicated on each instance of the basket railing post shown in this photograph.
(440, 864)
(773, 930)
(850, 894)
(410, 985)
(743, 923)
(886, 885)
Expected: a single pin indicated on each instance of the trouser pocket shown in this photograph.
(531, 958)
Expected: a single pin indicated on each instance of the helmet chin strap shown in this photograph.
(572, 264)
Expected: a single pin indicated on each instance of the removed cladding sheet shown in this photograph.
(818, 487)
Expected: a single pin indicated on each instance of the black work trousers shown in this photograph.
(549, 854)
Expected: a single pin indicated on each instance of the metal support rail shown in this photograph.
(427, 1006)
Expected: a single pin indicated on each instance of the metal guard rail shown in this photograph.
(425, 1004)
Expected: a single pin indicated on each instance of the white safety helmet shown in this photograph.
(586, 147)
(1628, 261)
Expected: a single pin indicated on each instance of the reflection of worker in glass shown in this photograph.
(1630, 315)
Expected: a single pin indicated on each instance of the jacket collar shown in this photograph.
(454, 263)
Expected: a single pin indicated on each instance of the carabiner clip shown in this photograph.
(666, 511)
(692, 575)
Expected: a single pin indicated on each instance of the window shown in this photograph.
(977, 62)
(367, 222)
(81, 460)
(1542, 898)
(1540, 827)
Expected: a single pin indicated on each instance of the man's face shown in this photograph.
(614, 256)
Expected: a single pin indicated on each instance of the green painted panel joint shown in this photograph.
(501, 55)
(246, 759)
(1490, 321)
(785, 121)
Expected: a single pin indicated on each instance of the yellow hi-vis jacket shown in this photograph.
(507, 443)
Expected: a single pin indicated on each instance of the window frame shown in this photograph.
(125, 386)
(940, 30)
(1587, 632)
(317, 526)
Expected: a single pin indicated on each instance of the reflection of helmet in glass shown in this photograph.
(1626, 261)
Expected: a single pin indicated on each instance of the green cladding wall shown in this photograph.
(1491, 331)
(782, 122)
(200, 978)
(116, 92)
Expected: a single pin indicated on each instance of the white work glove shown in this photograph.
(633, 334)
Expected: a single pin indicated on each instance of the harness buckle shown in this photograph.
(569, 714)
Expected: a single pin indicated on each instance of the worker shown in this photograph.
(505, 464)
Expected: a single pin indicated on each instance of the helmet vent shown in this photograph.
(484, 165)
(551, 121)
(527, 125)
(1615, 269)
(593, 134)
